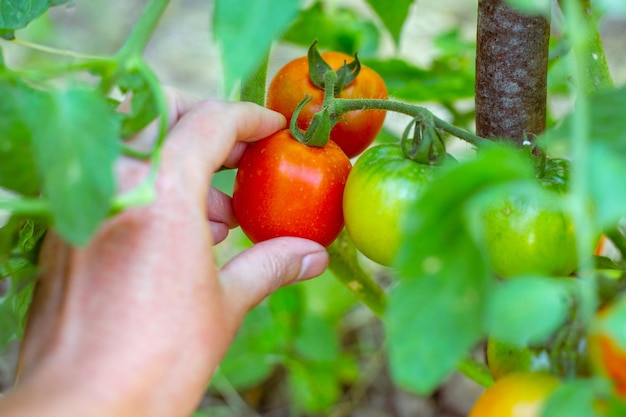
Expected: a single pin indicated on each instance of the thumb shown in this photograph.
(259, 271)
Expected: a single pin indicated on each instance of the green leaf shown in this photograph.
(16, 14)
(335, 29)
(576, 398)
(445, 283)
(405, 81)
(245, 30)
(533, 7)
(18, 171)
(527, 310)
(316, 340)
(393, 13)
(253, 354)
(14, 304)
(314, 386)
(607, 151)
(75, 143)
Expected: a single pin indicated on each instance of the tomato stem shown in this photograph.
(342, 106)
(345, 266)
(475, 371)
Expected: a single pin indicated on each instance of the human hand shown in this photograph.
(136, 322)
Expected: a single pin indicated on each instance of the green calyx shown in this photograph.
(426, 145)
(318, 132)
(318, 68)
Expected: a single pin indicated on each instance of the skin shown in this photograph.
(357, 129)
(135, 323)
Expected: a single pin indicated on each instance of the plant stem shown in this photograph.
(580, 134)
(26, 206)
(344, 264)
(345, 105)
(56, 51)
(511, 72)
(475, 371)
(139, 37)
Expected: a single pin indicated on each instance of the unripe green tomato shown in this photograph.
(380, 189)
(526, 235)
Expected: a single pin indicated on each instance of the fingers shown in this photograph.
(257, 272)
(203, 138)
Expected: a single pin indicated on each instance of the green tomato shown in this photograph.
(381, 187)
(524, 234)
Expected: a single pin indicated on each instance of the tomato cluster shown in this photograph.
(287, 188)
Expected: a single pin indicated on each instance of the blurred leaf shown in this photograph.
(245, 30)
(393, 13)
(14, 304)
(18, 171)
(287, 307)
(576, 398)
(337, 29)
(224, 180)
(607, 151)
(542, 7)
(407, 82)
(75, 142)
(445, 283)
(526, 310)
(326, 297)
(252, 356)
(316, 340)
(17, 14)
(314, 386)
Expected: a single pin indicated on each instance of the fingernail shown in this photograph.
(313, 265)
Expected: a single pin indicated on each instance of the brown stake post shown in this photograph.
(511, 72)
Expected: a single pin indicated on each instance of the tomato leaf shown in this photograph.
(314, 386)
(75, 142)
(16, 14)
(18, 171)
(607, 151)
(409, 82)
(248, 360)
(579, 398)
(245, 31)
(526, 310)
(143, 106)
(316, 340)
(393, 13)
(445, 281)
(335, 29)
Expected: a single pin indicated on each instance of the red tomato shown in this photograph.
(357, 129)
(285, 188)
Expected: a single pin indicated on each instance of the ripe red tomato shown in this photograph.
(607, 357)
(357, 129)
(520, 394)
(285, 188)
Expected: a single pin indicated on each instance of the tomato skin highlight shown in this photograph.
(357, 129)
(524, 235)
(381, 187)
(285, 188)
(520, 394)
